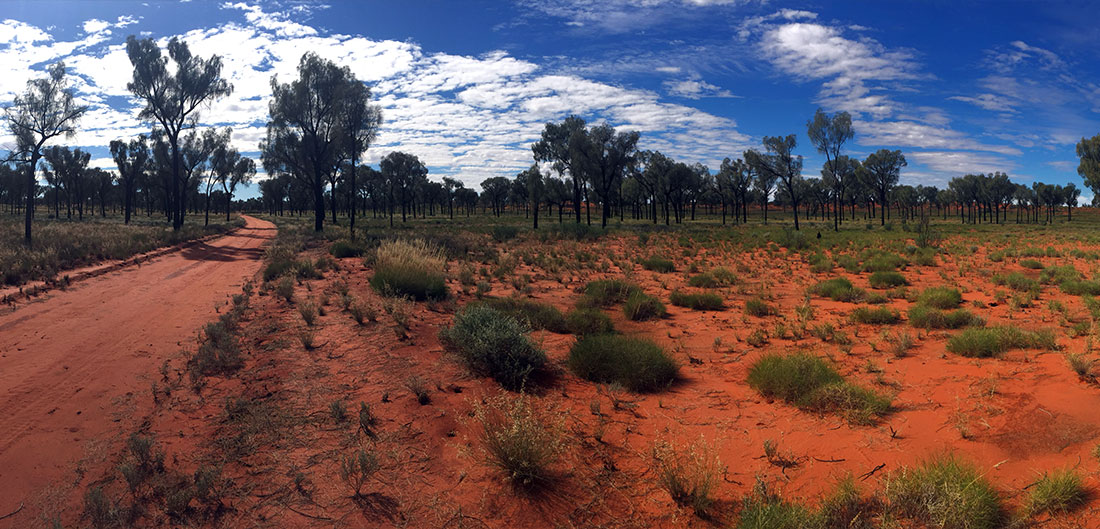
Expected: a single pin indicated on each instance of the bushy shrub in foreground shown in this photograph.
(811, 383)
(946, 493)
(588, 320)
(495, 344)
(531, 313)
(638, 364)
(940, 297)
(641, 307)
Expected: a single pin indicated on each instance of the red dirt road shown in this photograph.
(77, 366)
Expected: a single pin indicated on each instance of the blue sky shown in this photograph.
(467, 85)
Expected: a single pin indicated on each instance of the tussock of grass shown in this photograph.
(945, 493)
(884, 262)
(689, 474)
(1017, 281)
(636, 363)
(771, 512)
(495, 344)
(940, 297)
(995, 341)
(875, 316)
(608, 292)
(531, 313)
(658, 264)
(713, 279)
(1032, 264)
(1058, 274)
(758, 307)
(345, 248)
(1057, 492)
(641, 307)
(697, 301)
(926, 317)
(811, 383)
(838, 289)
(517, 441)
(411, 268)
(887, 279)
(588, 320)
(1080, 287)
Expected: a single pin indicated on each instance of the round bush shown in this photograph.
(582, 321)
(637, 363)
(641, 307)
(495, 344)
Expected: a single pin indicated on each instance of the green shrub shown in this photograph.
(504, 233)
(640, 307)
(774, 513)
(1080, 287)
(689, 474)
(493, 343)
(875, 316)
(757, 307)
(607, 292)
(848, 263)
(1017, 281)
(636, 363)
(697, 301)
(658, 264)
(887, 279)
(838, 289)
(926, 317)
(411, 268)
(995, 341)
(1057, 274)
(811, 383)
(1032, 264)
(1057, 492)
(345, 248)
(587, 320)
(279, 267)
(944, 493)
(884, 262)
(533, 314)
(846, 508)
(940, 297)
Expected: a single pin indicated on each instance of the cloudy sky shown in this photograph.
(467, 85)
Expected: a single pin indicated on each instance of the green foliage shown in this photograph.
(658, 264)
(884, 262)
(995, 341)
(636, 363)
(758, 307)
(533, 314)
(588, 320)
(517, 441)
(926, 317)
(697, 301)
(412, 268)
(345, 248)
(811, 383)
(1057, 492)
(494, 344)
(689, 474)
(838, 289)
(713, 279)
(1017, 281)
(875, 316)
(765, 511)
(940, 297)
(1057, 274)
(504, 233)
(608, 292)
(944, 493)
(640, 307)
(1080, 287)
(887, 279)
(357, 468)
(1032, 264)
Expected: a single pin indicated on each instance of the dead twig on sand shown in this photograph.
(13, 513)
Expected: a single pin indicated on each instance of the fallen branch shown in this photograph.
(872, 472)
(828, 460)
(13, 513)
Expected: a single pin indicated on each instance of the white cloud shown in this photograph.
(921, 136)
(949, 164)
(994, 102)
(695, 89)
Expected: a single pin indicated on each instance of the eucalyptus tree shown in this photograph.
(536, 191)
(450, 185)
(100, 182)
(494, 191)
(230, 169)
(782, 164)
(1088, 150)
(70, 167)
(306, 134)
(132, 159)
(360, 121)
(763, 184)
(44, 111)
(558, 146)
(401, 172)
(883, 169)
(839, 176)
(647, 171)
(828, 134)
(173, 100)
(557, 191)
(1070, 195)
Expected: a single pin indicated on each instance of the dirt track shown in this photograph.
(76, 366)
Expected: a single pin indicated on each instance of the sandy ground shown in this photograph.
(76, 366)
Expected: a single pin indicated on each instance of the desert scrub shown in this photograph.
(883, 262)
(1057, 274)
(838, 289)
(345, 248)
(811, 383)
(713, 279)
(356, 469)
(412, 268)
(875, 316)
(642, 307)
(517, 441)
(757, 307)
(940, 297)
(1057, 492)
(587, 320)
(697, 301)
(846, 508)
(1080, 287)
(944, 493)
(926, 317)
(657, 264)
(1032, 264)
(764, 510)
(995, 341)
(531, 313)
(887, 279)
(1017, 281)
(689, 474)
(493, 343)
(607, 292)
(638, 364)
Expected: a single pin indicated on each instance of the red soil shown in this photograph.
(76, 365)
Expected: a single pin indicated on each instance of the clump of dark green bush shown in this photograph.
(697, 300)
(658, 264)
(944, 492)
(533, 314)
(345, 248)
(640, 307)
(928, 317)
(495, 344)
(713, 279)
(995, 341)
(588, 320)
(811, 383)
(759, 308)
(940, 297)
(875, 316)
(607, 292)
(638, 364)
(838, 289)
(887, 279)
